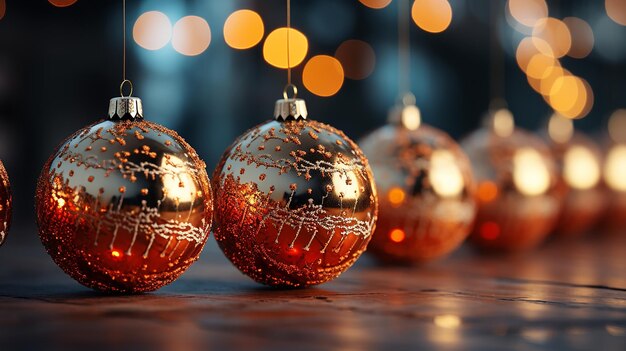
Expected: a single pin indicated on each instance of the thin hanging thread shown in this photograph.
(288, 33)
(404, 49)
(497, 58)
(124, 39)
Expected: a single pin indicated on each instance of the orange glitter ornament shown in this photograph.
(124, 205)
(295, 200)
(426, 190)
(6, 204)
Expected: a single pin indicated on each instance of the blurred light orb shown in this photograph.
(433, 16)
(616, 10)
(541, 66)
(571, 96)
(528, 12)
(528, 48)
(357, 58)
(582, 37)
(152, 30)
(617, 126)
(191, 35)
(581, 168)
(560, 129)
(546, 84)
(275, 47)
(243, 29)
(323, 75)
(62, 3)
(503, 123)
(375, 4)
(556, 33)
(615, 168)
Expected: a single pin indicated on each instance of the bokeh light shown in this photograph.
(397, 235)
(540, 66)
(528, 12)
(445, 175)
(62, 3)
(582, 37)
(433, 16)
(571, 96)
(396, 196)
(560, 129)
(503, 122)
(323, 75)
(530, 172)
(555, 33)
(375, 4)
(487, 191)
(529, 47)
(616, 9)
(275, 47)
(615, 168)
(243, 29)
(617, 126)
(581, 169)
(357, 58)
(191, 35)
(152, 30)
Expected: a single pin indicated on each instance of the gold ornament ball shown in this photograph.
(426, 193)
(124, 206)
(6, 204)
(518, 199)
(295, 202)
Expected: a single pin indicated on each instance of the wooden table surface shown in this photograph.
(566, 295)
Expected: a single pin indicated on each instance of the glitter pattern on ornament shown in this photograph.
(6, 204)
(124, 205)
(295, 200)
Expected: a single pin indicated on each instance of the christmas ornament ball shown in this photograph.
(124, 205)
(6, 204)
(295, 200)
(426, 192)
(518, 202)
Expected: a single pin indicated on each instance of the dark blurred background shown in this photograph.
(59, 66)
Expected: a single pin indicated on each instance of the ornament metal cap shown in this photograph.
(406, 114)
(290, 108)
(125, 107)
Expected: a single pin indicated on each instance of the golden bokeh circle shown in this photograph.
(275, 47)
(243, 29)
(323, 75)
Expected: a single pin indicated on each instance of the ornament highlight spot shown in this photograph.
(243, 29)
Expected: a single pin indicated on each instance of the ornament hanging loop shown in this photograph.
(294, 90)
(130, 87)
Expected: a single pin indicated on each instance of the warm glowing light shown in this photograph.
(529, 47)
(375, 4)
(243, 29)
(530, 172)
(580, 168)
(555, 33)
(62, 3)
(396, 196)
(615, 168)
(445, 176)
(489, 230)
(503, 123)
(323, 75)
(275, 47)
(433, 16)
(546, 84)
(191, 35)
(116, 253)
(616, 9)
(541, 66)
(411, 117)
(560, 129)
(448, 321)
(617, 126)
(487, 191)
(344, 183)
(528, 12)
(571, 96)
(582, 37)
(60, 202)
(397, 235)
(181, 186)
(152, 30)
(357, 58)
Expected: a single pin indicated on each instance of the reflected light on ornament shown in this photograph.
(343, 186)
(616, 10)
(275, 47)
(411, 117)
(615, 168)
(528, 12)
(357, 58)
(530, 173)
(62, 3)
(375, 4)
(445, 175)
(152, 30)
(191, 35)
(560, 129)
(555, 33)
(433, 16)
(582, 37)
(323, 75)
(617, 126)
(487, 191)
(180, 186)
(396, 196)
(448, 321)
(243, 29)
(503, 123)
(580, 168)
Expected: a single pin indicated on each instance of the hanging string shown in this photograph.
(497, 72)
(124, 80)
(288, 33)
(404, 49)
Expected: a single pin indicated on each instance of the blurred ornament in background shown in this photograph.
(295, 200)
(425, 185)
(124, 205)
(517, 195)
(614, 172)
(6, 204)
(579, 163)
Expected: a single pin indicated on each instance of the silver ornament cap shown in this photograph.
(125, 107)
(406, 114)
(290, 108)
